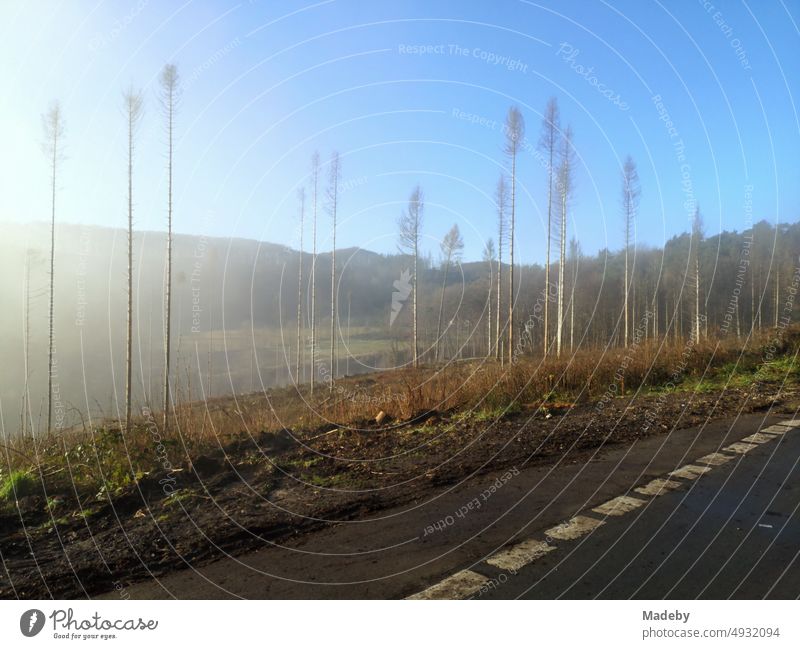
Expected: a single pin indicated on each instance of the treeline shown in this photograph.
(421, 309)
(748, 279)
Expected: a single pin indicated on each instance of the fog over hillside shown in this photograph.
(235, 305)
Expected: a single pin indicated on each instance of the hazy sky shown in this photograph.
(408, 92)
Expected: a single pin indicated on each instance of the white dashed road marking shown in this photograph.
(520, 555)
(657, 487)
(458, 586)
(740, 447)
(574, 528)
(690, 471)
(465, 583)
(619, 506)
(715, 459)
(759, 438)
(777, 429)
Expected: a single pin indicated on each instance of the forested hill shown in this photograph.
(235, 284)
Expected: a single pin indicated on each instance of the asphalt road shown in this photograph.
(732, 532)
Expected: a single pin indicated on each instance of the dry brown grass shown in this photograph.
(89, 458)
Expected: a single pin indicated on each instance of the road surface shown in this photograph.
(728, 526)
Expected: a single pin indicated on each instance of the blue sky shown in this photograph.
(410, 92)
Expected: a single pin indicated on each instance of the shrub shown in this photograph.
(17, 485)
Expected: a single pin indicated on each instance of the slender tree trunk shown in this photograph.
(299, 350)
(572, 315)
(561, 268)
(511, 258)
(441, 309)
(315, 171)
(333, 196)
(333, 300)
(51, 343)
(761, 300)
(738, 328)
(489, 327)
(546, 329)
(26, 343)
(697, 297)
(497, 351)
(625, 310)
(129, 339)
(416, 257)
(347, 362)
(170, 109)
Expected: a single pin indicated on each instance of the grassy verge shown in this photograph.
(102, 461)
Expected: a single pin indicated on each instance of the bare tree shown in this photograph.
(574, 255)
(548, 142)
(565, 187)
(349, 330)
(515, 132)
(451, 246)
(315, 203)
(488, 257)
(410, 226)
(630, 204)
(169, 103)
(697, 238)
(53, 123)
(301, 196)
(335, 177)
(133, 106)
(777, 293)
(501, 201)
(31, 256)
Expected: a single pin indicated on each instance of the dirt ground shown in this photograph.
(278, 486)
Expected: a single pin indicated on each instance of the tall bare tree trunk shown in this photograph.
(575, 255)
(697, 237)
(335, 176)
(501, 197)
(315, 202)
(54, 130)
(761, 299)
(489, 323)
(548, 141)
(515, 132)
(301, 194)
(630, 201)
(347, 361)
(410, 224)
(451, 246)
(133, 109)
(498, 296)
(511, 261)
(27, 342)
(565, 188)
(561, 268)
(169, 99)
(488, 255)
(441, 310)
(414, 305)
(697, 299)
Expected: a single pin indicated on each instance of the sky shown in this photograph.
(700, 94)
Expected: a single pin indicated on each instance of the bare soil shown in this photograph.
(280, 485)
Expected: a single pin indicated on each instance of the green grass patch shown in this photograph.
(18, 484)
